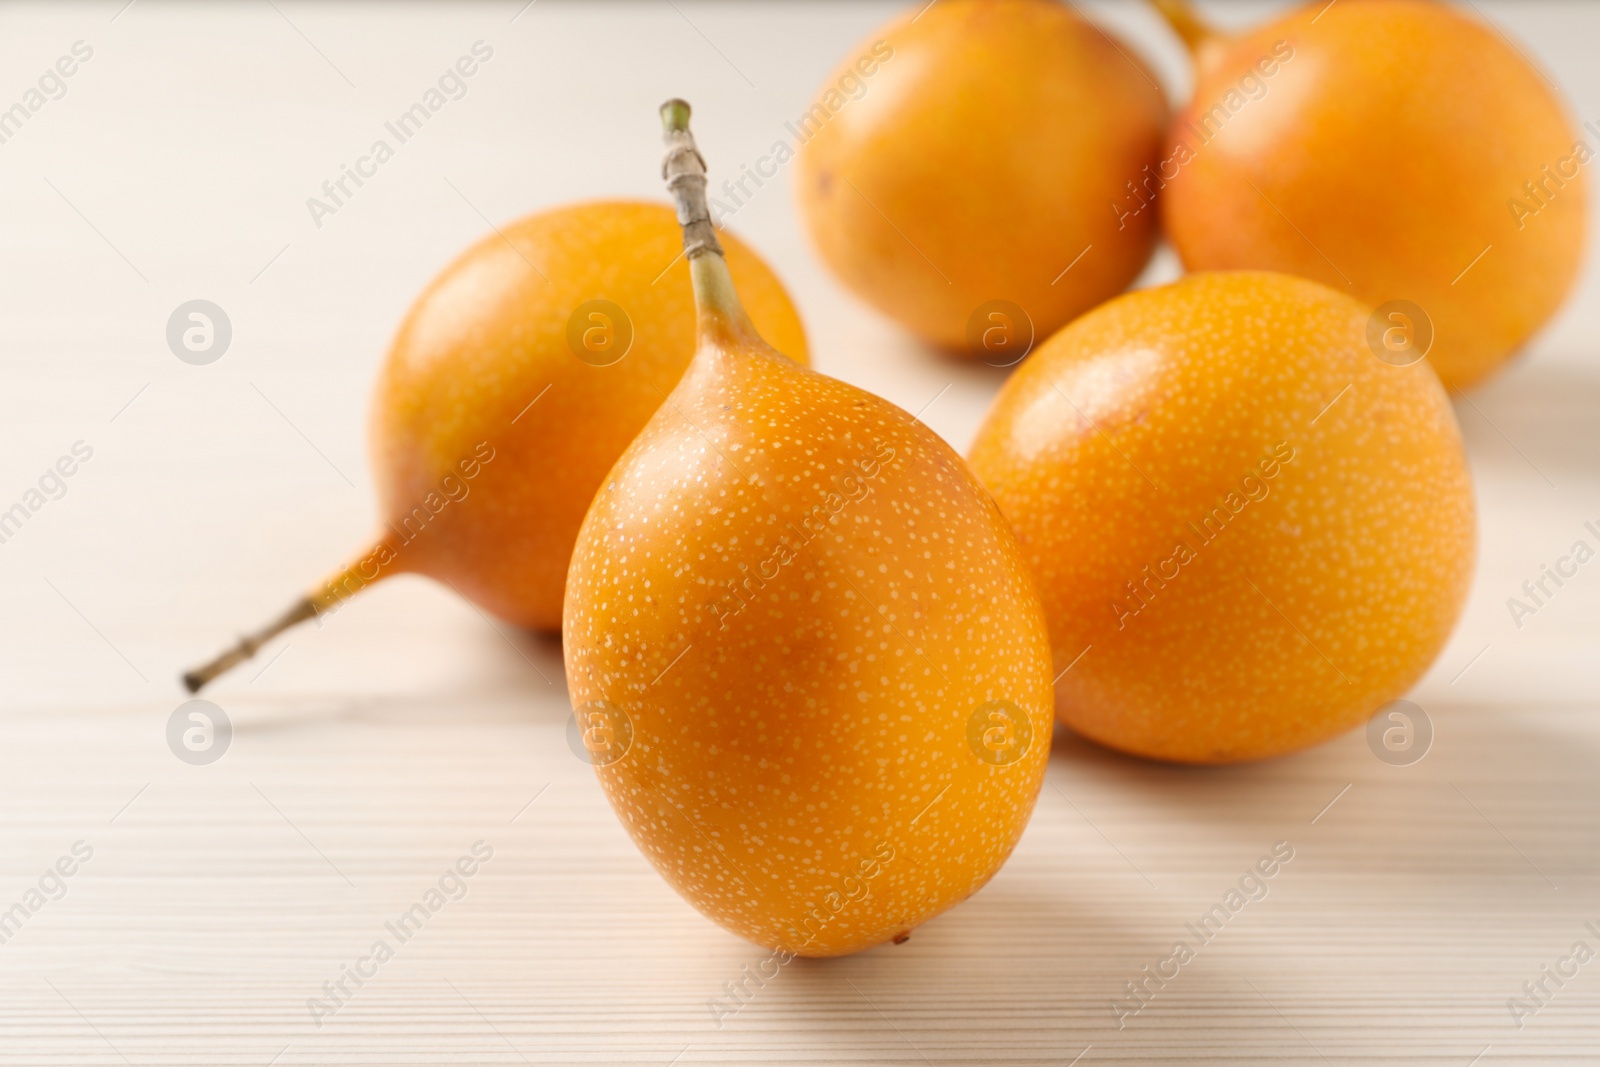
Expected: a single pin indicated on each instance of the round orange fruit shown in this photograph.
(1248, 530)
(1392, 150)
(970, 170)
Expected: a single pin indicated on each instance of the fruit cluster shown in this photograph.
(1218, 520)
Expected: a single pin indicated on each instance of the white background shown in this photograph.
(376, 749)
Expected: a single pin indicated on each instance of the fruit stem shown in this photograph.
(1186, 23)
(722, 316)
(335, 590)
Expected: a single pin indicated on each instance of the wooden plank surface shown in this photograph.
(373, 753)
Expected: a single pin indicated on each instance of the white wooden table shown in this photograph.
(372, 753)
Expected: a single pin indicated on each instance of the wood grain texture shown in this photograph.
(372, 752)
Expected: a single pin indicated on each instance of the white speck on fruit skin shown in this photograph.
(819, 721)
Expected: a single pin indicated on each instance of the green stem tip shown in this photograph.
(675, 115)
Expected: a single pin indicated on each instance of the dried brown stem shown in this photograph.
(338, 588)
(303, 609)
(685, 171)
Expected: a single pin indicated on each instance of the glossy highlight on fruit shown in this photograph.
(516, 380)
(812, 628)
(1248, 531)
(1392, 150)
(974, 152)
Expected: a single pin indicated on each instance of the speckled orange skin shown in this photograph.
(803, 776)
(982, 158)
(1395, 140)
(1328, 581)
(485, 339)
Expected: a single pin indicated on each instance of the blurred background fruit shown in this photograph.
(974, 152)
(1390, 149)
